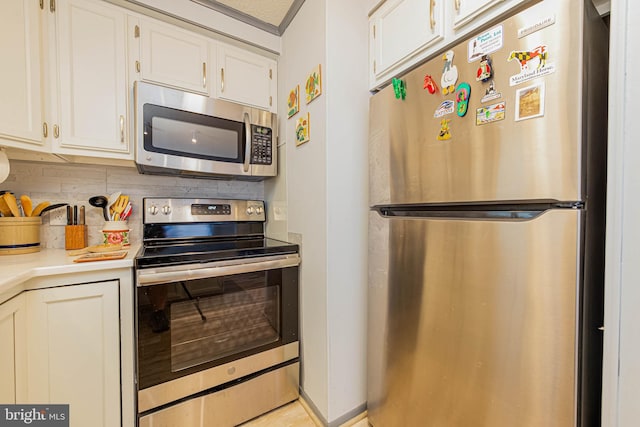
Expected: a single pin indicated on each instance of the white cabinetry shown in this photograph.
(74, 351)
(401, 30)
(246, 77)
(21, 103)
(467, 10)
(92, 85)
(13, 353)
(172, 56)
(403, 33)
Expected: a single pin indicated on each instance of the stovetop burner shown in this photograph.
(186, 231)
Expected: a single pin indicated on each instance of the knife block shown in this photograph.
(75, 237)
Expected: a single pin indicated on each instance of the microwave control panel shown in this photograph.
(261, 145)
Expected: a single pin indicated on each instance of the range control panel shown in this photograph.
(261, 145)
(159, 210)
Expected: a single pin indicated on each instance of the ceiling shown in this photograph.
(270, 15)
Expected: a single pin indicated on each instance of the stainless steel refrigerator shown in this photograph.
(486, 228)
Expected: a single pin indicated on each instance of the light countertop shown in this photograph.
(16, 270)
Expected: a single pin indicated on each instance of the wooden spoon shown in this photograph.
(38, 209)
(27, 206)
(10, 200)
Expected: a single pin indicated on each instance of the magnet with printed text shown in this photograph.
(528, 59)
(449, 73)
(446, 107)
(491, 113)
(445, 132)
(463, 93)
(490, 93)
(429, 84)
(485, 71)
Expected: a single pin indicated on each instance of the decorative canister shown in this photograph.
(115, 232)
(19, 235)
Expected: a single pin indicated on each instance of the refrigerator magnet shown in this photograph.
(490, 93)
(446, 107)
(449, 73)
(488, 42)
(399, 88)
(302, 130)
(445, 132)
(484, 71)
(463, 93)
(429, 84)
(530, 102)
(490, 113)
(533, 64)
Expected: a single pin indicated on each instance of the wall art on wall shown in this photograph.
(302, 129)
(313, 87)
(293, 102)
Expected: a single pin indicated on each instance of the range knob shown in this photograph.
(166, 209)
(153, 210)
(259, 210)
(250, 210)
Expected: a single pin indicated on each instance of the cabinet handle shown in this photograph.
(122, 129)
(136, 32)
(204, 74)
(221, 79)
(56, 131)
(41, 4)
(270, 101)
(458, 5)
(137, 66)
(52, 5)
(45, 129)
(432, 21)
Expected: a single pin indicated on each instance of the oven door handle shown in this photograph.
(248, 140)
(214, 269)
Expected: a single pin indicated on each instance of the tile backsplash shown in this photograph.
(75, 184)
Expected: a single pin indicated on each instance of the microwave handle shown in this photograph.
(247, 149)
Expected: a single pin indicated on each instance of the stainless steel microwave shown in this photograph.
(181, 133)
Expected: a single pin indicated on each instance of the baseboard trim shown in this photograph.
(350, 418)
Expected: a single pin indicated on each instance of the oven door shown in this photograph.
(204, 325)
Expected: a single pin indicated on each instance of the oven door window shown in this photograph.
(186, 134)
(191, 325)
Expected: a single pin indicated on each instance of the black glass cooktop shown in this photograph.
(210, 250)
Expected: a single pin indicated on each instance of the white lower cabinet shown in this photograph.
(13, 353)
(74, 351)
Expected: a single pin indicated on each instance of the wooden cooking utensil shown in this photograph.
(38, 209)
(4, 208)
(119, 206)
(10, 200)
(27, 205)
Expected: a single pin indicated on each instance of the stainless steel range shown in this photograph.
(216, 314)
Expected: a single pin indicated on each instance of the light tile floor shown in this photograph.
(292, 415)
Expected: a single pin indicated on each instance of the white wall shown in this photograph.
(347, 199)
(326, 181)
(622, 296)
(303, 47)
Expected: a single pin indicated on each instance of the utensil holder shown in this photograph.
(19, 235)
(75, 237)
(114, 232)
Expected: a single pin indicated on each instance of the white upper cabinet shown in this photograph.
(21, 103)
(245, 77)
(467, 10)
(92, 85)
(401, 30)
(173, 57)
(403, 33)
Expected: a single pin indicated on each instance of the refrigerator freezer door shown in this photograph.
(473, 323)
(539, 158)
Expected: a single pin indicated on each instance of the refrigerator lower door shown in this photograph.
(473, 322)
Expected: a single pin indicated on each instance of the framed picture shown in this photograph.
(530, 102)
(313, 87)
(302, 129)
(293, 102)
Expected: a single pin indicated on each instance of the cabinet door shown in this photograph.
(74, 351)
(13, 354)
(92, 89)
(173, 57)
(467, 10)
(21, 103)
(399, 31)
(246, 77)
